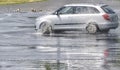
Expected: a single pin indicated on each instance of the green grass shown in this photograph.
(4, 2)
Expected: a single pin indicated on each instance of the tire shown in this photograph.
(45, 28)
(92, 28)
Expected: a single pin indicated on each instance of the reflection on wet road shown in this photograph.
(21, 48)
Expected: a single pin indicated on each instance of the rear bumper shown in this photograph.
(108, 26)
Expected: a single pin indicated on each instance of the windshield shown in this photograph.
(65, 10)
(58, 10)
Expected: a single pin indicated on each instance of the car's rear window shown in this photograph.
(107, 9)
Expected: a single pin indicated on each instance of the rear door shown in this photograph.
(84, 14)
(79, 17)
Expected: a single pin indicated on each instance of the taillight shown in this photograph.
(106, 17)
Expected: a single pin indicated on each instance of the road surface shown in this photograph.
(21, 48)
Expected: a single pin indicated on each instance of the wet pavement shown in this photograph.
(22, 48)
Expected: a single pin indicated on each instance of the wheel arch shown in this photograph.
(47, 22)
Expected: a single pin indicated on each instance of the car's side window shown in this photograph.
(81, 10)
(93, 10)
(66, 10)
(86, 10)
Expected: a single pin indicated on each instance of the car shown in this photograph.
(90, 17)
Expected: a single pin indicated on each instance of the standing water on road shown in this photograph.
(21, 48)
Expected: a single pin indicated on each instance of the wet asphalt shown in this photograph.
(22, 48)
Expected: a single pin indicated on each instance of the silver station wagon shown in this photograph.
(91, 17)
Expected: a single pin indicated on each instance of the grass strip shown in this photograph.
(4, 2)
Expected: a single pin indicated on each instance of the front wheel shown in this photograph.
(45, 28)
(91, 28)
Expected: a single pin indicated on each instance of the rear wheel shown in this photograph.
(45, 28)
(91, 28)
